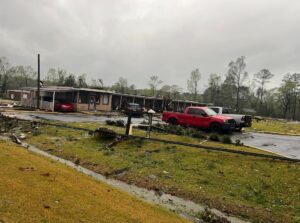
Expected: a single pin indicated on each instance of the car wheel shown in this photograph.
(173, 121)
(215, 127)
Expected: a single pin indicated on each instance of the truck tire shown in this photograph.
(173, 121)
(239, 129)
(215, 127)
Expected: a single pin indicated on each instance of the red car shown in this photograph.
(200, 117)
(64, 106)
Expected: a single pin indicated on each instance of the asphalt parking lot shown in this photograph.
(285, 145)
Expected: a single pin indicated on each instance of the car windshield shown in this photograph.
(210, 112)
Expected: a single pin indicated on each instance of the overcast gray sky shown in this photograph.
(138, 38)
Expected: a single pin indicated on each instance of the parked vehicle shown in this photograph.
(200, 117)
(240, 120)
(64, 106)
(134, 108)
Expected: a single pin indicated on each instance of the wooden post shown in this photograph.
(38, 84)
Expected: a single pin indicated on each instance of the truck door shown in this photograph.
(198, 118)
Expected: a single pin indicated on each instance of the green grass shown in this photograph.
(275, 126)
(258, 189)
(35, 189)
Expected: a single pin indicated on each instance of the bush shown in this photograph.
(226, 139)
(118, 123)
(214, 137)
(238, 142)
(110, 122)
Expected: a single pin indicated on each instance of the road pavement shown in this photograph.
(285, 145)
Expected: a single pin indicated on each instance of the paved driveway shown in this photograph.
(286, 145)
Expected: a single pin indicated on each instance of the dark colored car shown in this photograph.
(64, 106)
(133, 108)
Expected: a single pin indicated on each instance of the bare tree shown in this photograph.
(153, 83)
(239, 75)
(121, 85)
(24, 75)
(192, 83)
(81, 79)
(4, 74)
(262, 78)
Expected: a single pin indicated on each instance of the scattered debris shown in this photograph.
(77, 161)
(27, 168)
(105, 133)
(46, 206)
(22, 136)
(210, 217)
(15, 139)
(45, 174)
(153, 177)
(117, 140)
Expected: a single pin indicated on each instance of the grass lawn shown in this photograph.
(275, 126)
(35, 189)
(258, 189)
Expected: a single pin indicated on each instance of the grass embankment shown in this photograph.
(35, 189)
(258, 189)
(275, 126)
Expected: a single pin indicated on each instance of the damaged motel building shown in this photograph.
(86, 99)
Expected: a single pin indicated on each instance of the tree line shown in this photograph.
(236, 91)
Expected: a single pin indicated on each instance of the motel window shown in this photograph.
(12, 96)
(25, 96)
(83, 98)
(97, 99)
(105, 99)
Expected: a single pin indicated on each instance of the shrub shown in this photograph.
(226, 139)
(110, 122)
(214, 137)
(120, 123)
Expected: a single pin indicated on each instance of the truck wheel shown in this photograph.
(239, 129)
(173, 121)
(215, 127)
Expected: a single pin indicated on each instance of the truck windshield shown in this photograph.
(210, 112)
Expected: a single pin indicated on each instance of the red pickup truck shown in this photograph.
(200, 117)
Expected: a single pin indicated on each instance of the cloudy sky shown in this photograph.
(137, 38)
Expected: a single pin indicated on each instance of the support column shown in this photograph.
(53, 101)
(22, 97)
(121, 98)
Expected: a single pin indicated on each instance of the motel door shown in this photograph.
(92, 103)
